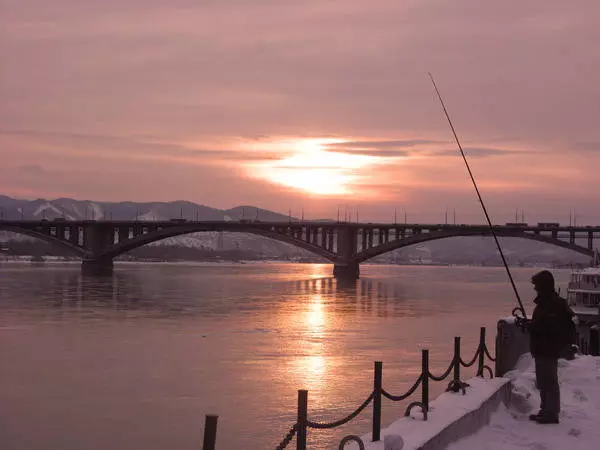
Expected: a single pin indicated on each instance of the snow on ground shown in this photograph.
(579, 427)
(97, 211)
(152, 215)
(46, 206)
(443, 411)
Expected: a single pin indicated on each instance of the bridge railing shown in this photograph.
(299, 429)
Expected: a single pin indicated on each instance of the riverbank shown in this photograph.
(499, 409)
(511, 429)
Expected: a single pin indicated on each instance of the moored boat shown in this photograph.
(583, 294)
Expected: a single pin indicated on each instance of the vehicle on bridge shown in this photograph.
(548, 224)
(178, 220)
(516, 224)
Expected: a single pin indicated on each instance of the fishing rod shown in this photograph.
(487, 216)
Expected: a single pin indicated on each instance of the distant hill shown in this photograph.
(71, 209)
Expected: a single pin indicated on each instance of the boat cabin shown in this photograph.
(584, 288)
(585, 299)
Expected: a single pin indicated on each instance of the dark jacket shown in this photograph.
(549, 329)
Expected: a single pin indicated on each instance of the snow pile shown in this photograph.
(579, 427)
(151, 216)
(46, 207)
(446, 410)
(97, 211)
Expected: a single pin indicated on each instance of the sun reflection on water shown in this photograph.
(315, 365)
(310, 363)
(315, 316)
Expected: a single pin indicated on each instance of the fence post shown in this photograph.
(481, 349)
(594, 340)
(457, 358)
(377, 387)
(425, 380)
(210, 432)
(302, 419)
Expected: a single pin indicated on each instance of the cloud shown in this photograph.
(479, 152)
(389, 144)
(126, 148)
(182, 86)
(31, 169)
(591, 146)
(380, 148)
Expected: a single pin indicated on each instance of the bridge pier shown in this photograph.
(345, 266)
(346, 270)
(97, 266)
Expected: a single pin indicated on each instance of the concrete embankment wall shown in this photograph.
(453, 416)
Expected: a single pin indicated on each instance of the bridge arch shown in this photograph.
(435, 235)
(71, 248)
(155, 236)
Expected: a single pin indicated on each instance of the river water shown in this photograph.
(137, 359)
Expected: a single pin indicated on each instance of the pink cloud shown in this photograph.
(172, 91)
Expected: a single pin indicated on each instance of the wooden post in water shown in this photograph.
(302, 419)
(210, 432)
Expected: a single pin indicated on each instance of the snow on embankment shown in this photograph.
(451, 416)
(579, 427)
(494, 414)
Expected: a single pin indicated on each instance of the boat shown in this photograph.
(583, 292)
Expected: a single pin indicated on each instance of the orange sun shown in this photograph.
(310, 167)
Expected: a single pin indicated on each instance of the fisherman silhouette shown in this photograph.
(550, 333)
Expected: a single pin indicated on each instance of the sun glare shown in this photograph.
(307, 165)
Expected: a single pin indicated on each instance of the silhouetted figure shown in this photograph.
(550, 331)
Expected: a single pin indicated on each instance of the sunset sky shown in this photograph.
(305, 104)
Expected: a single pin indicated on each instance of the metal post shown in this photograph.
(210, 432)
(457, 358)
(425, 379)
(302, 419)
(377, 383)
(481, 351)
(594, 341)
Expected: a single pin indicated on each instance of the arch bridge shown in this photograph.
(346, 245)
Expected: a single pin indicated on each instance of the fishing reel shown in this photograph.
(521, 319)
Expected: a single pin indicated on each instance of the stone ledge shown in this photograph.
(452, 416)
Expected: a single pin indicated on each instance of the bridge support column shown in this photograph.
(346, 266)
(346, 271)
(97, 238)
(97, 266)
